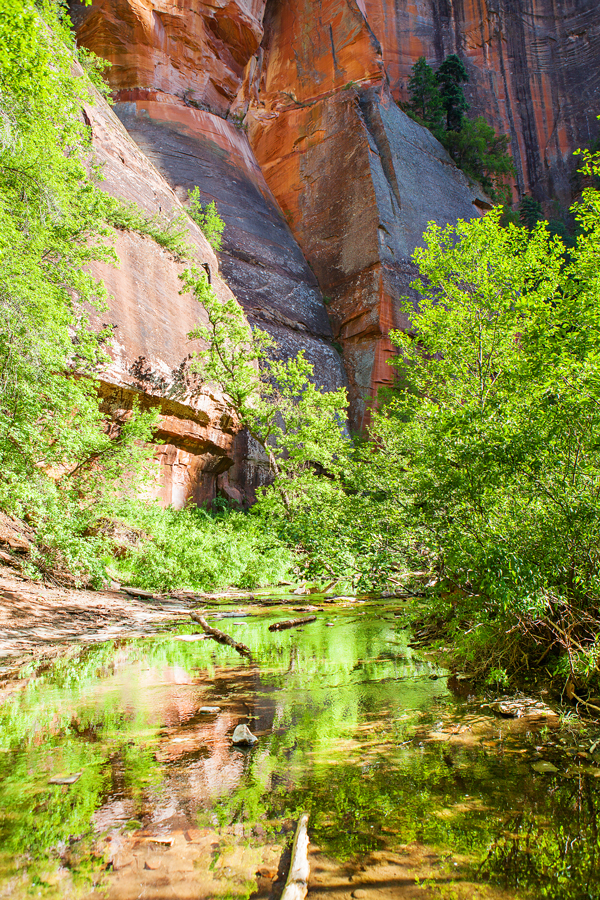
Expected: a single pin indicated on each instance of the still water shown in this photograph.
(413, 791)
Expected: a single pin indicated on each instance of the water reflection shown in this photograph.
(404, 784)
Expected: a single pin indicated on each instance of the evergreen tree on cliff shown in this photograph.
(450, 76)
(425, 100)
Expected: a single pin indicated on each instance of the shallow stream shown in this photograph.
(413, 791)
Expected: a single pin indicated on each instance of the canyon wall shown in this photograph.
(200, 451)
(357, 179)
(534, 68)
(284, 112)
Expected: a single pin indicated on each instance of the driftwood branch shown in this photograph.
(220, 636)
(291, 623)
(296, 886)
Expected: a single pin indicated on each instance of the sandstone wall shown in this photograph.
(332, 186)
(194, 48)
(199, 450)
(356, 177)
(534, 70)
(261, 260)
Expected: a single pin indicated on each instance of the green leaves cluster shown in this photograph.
(198, 550)
(56, 446)
(207, 217)
(299, 428)
(490, 449)
(437, 99)
(312, 503)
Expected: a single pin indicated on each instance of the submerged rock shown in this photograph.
(209, 710)
(242, 736)
(65, 779)
(544, 768)
(520, 707)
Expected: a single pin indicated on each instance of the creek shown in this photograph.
(414, 790)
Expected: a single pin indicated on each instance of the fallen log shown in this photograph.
(291, 623)
(220, 636)
(296, 886)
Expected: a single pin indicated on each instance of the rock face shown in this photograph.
(194, 49)
(200, 453)
(261, 261)
(354, 175)
(533, 65)
(328, 186)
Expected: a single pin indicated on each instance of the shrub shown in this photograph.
(198, 550)
(207, 218)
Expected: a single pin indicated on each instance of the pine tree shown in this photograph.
(450, 76)
(530, 212)
(424, 94)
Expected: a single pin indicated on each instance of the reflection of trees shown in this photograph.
(343, 716)
(558, 857)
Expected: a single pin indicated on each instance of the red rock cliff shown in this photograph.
(200, 452)
(534, 70)
(330, 189)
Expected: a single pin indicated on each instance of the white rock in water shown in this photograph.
(209, 709)
(243, 735)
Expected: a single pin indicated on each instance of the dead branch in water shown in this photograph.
(296, 886)
(291, 623)
(220, 636)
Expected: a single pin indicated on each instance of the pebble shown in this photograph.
(209, 710)
(152, 864)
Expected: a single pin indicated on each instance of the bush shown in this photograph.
(168, 233)
(207, 217)
(482, 154)
(198, 550)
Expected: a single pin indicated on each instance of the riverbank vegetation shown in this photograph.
(476, 487)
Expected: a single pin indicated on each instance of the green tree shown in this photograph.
(450, 76)
(483, 154)
(56, 445)
(315, 502)
(490, 453)
(530, 212)
(299, 427)
(424, 95)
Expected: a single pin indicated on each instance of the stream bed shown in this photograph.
(414, 790)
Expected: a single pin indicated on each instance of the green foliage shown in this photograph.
(482, 154)
(424, 93)
(437, 100)
(490, 451)
(169, 233)
(207, 217)
(315, 502)
(530, 212)
(298, 427)
(198, 550)
(95, 68)
(56, 445)
(450, 76)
